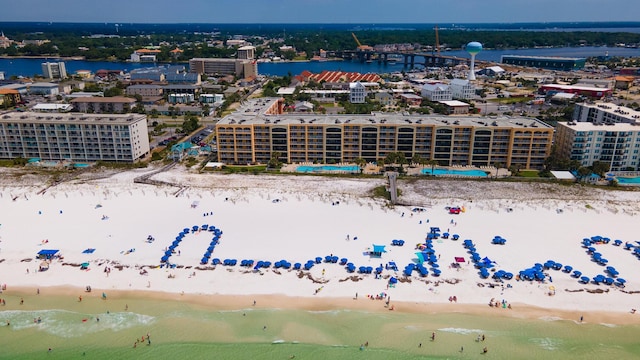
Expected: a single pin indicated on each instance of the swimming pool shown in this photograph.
(328, 168)
(81, 165)
(470, 173)
(629, 180)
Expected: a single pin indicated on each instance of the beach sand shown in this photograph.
(299, 218)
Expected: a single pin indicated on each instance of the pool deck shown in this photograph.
(412, 170)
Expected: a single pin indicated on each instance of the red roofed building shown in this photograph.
(339, 79)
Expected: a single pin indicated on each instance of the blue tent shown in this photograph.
(47, 254)
(377, 250)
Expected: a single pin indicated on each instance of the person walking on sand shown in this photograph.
(80, 298)
(433, 336)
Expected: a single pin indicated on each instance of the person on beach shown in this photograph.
(433, 336)
(80, 298)
(485, 350)
(581, 318)
(21, 301)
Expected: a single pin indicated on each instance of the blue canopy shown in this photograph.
(378, 250)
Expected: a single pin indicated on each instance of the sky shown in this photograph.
(319, 11)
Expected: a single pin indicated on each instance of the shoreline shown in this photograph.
(222, 302)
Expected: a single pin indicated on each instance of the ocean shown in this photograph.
(30, 67)
(181, 330)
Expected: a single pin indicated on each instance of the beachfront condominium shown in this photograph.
(54, 70)
(260, 129)
(74, 136)
(604, 113)
(603, 132)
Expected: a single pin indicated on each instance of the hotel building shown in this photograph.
(73, 136)
(259, 128)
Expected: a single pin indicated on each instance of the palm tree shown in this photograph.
(361, 163)
(417, 159)
(433, 163)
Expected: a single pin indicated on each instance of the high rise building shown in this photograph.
(54, 70)
(260, 128)
(73, 136)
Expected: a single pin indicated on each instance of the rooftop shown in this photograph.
(252, 112)
(589, 126)
(79, 118)
(97, 99)
(453, 103)
(543, 57)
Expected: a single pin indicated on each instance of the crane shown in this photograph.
(437, 41)
(360, 46)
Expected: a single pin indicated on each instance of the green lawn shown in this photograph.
(528, 173)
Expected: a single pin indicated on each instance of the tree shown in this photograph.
(361, 163)
(113, 91)
(583, 172)
(599, 167)
(515, 169)
(190, 123)
(433, 163)
(274, 162)
(417, 159)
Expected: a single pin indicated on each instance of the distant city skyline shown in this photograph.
(320, 11)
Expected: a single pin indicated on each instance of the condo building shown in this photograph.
(603, 132)
(259, 129)
(617, 145)
(73, 136)
(54, 70)
(221, 66)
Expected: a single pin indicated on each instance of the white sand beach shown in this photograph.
(299, 218)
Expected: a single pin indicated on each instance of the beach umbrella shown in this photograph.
(318, 260)
(584, 280)
(576, 274)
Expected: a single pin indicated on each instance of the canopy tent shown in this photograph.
(377, 250)
(459, 259)
(47, 254)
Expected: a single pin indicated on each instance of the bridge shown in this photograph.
(409, 59)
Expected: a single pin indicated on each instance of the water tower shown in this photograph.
(473, 48)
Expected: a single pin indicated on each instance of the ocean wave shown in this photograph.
(462, 331)
(69, 324)
(547, 343)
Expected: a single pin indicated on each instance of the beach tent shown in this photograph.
(47, 254)
(459, 259)
(377, 250)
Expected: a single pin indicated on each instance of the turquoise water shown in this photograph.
(473, 173)
(203, 330)
(628, 180)
(325, 168)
